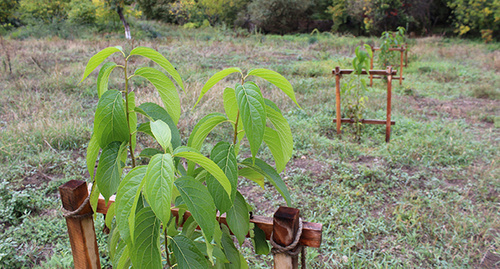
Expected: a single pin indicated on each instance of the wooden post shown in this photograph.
(337, 96)
(371, 65)
(81, 226)
(401, 67)
(389, 96)
(285, 226)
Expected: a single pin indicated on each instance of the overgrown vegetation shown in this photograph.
(427, 199)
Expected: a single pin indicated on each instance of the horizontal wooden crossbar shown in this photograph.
(391, 49)
(365, 121)
(379, 77)
(311, 232)
(372, 72)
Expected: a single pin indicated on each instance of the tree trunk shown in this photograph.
(125, 23)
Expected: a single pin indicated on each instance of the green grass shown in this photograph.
(427, 199)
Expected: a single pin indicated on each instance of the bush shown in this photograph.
(279, 16)
(156, 9)
(82, 12)
(472, 16)
(7, 10)
(34, 11)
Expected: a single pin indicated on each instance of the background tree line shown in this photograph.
(471, 18)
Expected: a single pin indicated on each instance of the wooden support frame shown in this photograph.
(404, 55)
(84, 244)
(389, 73)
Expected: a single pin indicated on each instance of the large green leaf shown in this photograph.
(146, 248)
(275, 78)
(103, 77)
(232, 254)
(157, 112)
(98, 58)
(92, 153)
(253, 113)
(162, 133)
(203, 128)
(253, 175)
(199, 203)
(166, 89)
(110, 122)
(271, 175)
(109, 170)
(283, 131)
(159, 179)
(187, 254)
(259, 241)
(273, 141)
(216, 78)
(209, 165)
(223, 155)
(125, 199)
(238, 218)
(160, 60)
(132, 117)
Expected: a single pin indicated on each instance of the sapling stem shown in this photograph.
(236, 128)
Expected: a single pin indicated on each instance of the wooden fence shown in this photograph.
(286, 227)
(404, 55)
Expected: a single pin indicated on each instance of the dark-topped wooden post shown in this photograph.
(337, 96)
(80, 225)
(285, 226)
(389, 97)
(401, 67)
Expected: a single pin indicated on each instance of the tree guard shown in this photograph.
(389, 73)
(404, 55)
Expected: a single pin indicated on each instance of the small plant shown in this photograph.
(390, 40)
(179, 176)
(354, 91)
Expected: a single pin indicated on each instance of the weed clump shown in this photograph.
(485, 91)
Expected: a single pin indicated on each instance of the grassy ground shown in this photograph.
(429, 198)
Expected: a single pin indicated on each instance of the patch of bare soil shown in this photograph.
(321, 171)
(470, 109)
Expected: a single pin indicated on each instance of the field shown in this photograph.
(428, 199)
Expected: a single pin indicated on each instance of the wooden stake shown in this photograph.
(401, 69)
(337, 96)
(285, 227)
(389, 96)
(80, 229)
(371, 66)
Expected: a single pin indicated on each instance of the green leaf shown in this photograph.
(252, 175)
(149, 152)
(232, 254)
(275, 78)
(94, 198)
(284, 134)
(109, 215)
(238, 218)
(98, 58)
(125, 200)
(223, 155)
(187, 254)
(259, 241)
(273, 141)
(132, 116)
(145, 127)
(159, 179)
(103, 77)
(162, 133)
(157, 112)
(203, 128)
(123, 258)
(253, 114)
(216, 78)
(209, 165)
(137, 205)
(199, 203)
(109, 170)
(230, 104)
(266, 170)
(160, 60)
(110, 122)
(92, 153)
(146, 248)
(166, 89)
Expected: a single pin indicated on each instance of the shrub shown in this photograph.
(82, 12)
(34, 11)
(472, 16)
(279, 16)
